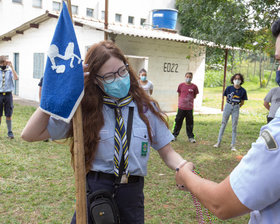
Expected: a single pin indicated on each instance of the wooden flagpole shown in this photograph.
(79, 159)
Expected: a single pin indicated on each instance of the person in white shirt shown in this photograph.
(145, 83)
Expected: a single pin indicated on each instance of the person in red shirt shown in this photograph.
(187, 92)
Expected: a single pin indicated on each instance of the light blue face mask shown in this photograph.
(143, 78)
(119, 88)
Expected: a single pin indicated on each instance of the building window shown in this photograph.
(89, 12)
(87, 48)
(131, 20)
(17, 1)
(16, 66)
(102, 15)
(74, 9)
(56, 6)
(38, 65)
(37, 3)
(118, 18)
(142, 21)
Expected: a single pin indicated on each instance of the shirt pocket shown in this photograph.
(140, 144)
(105, 150)
(105, 135)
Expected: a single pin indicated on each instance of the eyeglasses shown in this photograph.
(111, 76)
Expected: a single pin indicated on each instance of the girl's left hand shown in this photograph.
(181, 175)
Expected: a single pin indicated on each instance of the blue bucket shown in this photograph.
(165, 18)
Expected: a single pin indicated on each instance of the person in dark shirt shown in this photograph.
(40, 84)
(235, 95)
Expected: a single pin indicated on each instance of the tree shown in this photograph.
(239, 23)
(262, 14)
(223, 22)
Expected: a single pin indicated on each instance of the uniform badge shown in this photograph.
(269, 140)
(144, 149)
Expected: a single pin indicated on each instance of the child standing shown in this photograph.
(146, 84)
(235, 95)
(187, 92)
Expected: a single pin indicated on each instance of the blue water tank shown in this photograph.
(165, 18)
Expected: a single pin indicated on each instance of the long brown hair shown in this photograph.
(92, 103)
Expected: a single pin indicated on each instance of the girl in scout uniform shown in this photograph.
(7, 77)
(111, 88)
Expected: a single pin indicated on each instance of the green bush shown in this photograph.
(265, 77)
(254, 79)
(215, 78)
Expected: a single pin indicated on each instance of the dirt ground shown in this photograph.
(24, 102)
(203, 110)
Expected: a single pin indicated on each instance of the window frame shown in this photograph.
(102, 15)
(38, 65)
(75, 12)
(131, 20)
(118, 15)
(142, 21)
(58, 3)
(36, 6)
(92, 12)
(17, 1)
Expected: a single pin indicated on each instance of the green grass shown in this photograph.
(37, 181)
(212, 97)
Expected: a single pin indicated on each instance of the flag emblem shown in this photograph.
(69, 54)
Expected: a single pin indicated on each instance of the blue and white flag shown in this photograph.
(63, 85)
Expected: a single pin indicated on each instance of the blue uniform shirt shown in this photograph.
(235, 95)
(256, 179)
(137, 162)
(9, 83)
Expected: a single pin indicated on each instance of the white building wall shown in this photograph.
(38, 41)
(163, 56)
(168, 61)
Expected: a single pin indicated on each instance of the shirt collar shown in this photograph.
(131, 104)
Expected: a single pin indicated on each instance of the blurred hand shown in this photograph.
(181, 175)
(85, 66)
(9, 63)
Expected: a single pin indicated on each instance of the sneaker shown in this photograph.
(192, 140)
(10, 135)
(217, 145)
(232, 148)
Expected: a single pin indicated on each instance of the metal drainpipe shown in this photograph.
(106, 20)
(225, 76)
